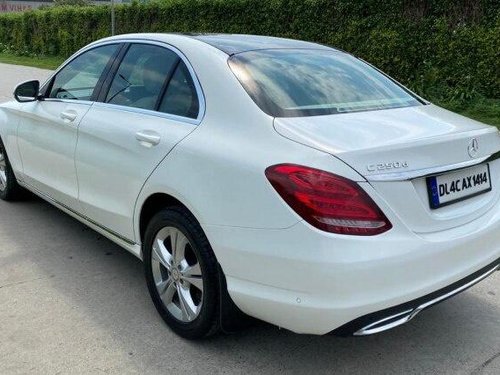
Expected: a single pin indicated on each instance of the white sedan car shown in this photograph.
(283, 179)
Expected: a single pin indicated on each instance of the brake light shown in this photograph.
(327, 201)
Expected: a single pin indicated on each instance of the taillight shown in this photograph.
(327, 201)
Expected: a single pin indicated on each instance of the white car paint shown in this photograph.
(116, 130)
(278, 267)
(45, 140)
(418, 138)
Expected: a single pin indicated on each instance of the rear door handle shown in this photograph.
(69, 115)
(148, 138)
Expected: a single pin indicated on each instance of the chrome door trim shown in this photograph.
(69, 101)
(82, 217)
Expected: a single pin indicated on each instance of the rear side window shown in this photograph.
(142, 76)
(180, 97)
(308, 82)
(78, 79)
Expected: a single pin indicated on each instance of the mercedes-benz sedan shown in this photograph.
(283, 179)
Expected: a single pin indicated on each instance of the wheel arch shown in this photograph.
(231, 318)
(3, 122)
(152, 205)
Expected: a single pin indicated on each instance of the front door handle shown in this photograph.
(148, 138)
(69, 115)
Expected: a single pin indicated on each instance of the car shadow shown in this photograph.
(104, 283)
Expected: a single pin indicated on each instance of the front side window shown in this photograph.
(142, 76)
(78, 79)
(289, 83)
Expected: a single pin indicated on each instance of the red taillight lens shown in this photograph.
(326, 201)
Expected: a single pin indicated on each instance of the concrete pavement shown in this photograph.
(71, 302)
(12, 75)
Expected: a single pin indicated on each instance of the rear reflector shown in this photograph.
(329, 202)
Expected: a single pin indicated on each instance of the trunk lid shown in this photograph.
(396, 149)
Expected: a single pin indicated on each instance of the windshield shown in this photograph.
(292, 83)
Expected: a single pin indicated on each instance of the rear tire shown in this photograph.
(181, 273)
(9, 188)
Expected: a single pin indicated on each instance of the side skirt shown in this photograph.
(121, 241)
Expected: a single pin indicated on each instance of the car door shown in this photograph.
(151, 103)
(47, 132)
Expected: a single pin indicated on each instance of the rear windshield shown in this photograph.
(292, 83)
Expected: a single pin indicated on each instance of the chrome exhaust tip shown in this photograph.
(403, 317)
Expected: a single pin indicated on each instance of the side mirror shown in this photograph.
(27, 91)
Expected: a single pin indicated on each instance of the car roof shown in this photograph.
(236, 43)
(229, 44)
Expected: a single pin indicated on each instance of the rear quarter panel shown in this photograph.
(218, 170)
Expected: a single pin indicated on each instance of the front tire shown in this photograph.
(9, 188)
(182, 274)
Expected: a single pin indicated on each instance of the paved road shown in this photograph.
(71, 302)
(11, 75)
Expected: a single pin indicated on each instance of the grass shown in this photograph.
(44, 62)
(484, 110)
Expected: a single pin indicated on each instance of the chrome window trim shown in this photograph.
(148, 112)
(194, 77)
(72, 101)
(404, 176)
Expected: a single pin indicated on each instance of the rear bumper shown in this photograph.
(397, 315)
(309, 281)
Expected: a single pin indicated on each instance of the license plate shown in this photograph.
(456, 186)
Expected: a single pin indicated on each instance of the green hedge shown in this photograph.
(446, 49)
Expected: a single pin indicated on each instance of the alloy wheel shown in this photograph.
(177, 274)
